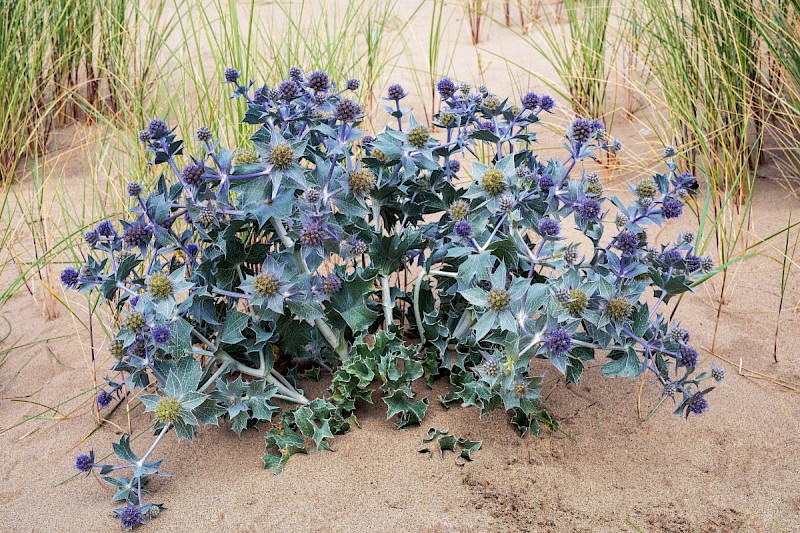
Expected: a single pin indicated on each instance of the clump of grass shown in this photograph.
(475, 11)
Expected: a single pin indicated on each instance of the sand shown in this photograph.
(737, 468)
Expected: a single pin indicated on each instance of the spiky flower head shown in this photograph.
(530, 101)
(144, 136)
(562, 295)
(689, 356)
(106, 229)
(312, 194)
(358, 247)
(558, 341)
(168, 410)
(463, 229)
(670, 388)
(331, 284)
(459, 209)
(312, 233)
(547, 103)
(669, 151)
(281, 156)
(679, 334)
(203, 134)
(454, 165)
(157, 128)
(490, 367)
(493, 182)
(718, 373)
(353, 84)
(395, 92)
(672, 207)
(581, 129)
(571, 254)
(698, 404)
(84, 463)
(619, 308)
(706, 264)
(296, 73)
(161, 334)
(589, 209)
(192, 248)
(578, 301)
(244, 156)
(418, 136)
(347, 110)
(192, 174)
(116, 348)
(595, 188)
(361, 181)
(265, 285)
(231, 75)
(135, 321)
(520, 388)
(206, 216)
(549, 227)
(674, 255)
(91, 237)
(160, 286)
(134, 189)
(319, 81)
(103, 399)
(646, 188)
(465, 88)
(288, 90)
(498, 299)
(137, 234)
(446, 88)
(130, 517)
(627, 242)
(621, 221)
(546, 182)
(491, 103)
(505, 204)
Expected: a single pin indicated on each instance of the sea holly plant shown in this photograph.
(385, 260)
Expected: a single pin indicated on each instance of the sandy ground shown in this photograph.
(737, 468)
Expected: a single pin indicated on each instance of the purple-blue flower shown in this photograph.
(353, 84)
(546, 182)
(672, 207)
(103, 399)
(627, 242)
(231, 75)
(589, 209)
(549, 227)
(446, 88)
(137, 234)
(463, 229)
(288, 89)
(106, 229)
(689, 356)
(157, 128)
(547, 103)
(530, 101)
(161, 334)
(69, 277)
(395, 92)
(558, 341)
(130, 517)
(698, 404)
(192, 174)
(319, 81)
(192, 248)
(84, 463)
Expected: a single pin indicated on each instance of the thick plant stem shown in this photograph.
(285, 390)
(417, 313)
(386, 294)
(321, 325)
(464, 323)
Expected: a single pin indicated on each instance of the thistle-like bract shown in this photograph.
(493, 182)
(167, 410)
(498, 299)
(265, 285)
(418, 137)
(619, 308)
(361, 181)
(281, 156)
(160, 286)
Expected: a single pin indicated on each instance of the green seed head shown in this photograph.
(447, 119)
(361, 181)
(135, 322)
(116, 349)
(160, 286)
(244, 156)
(281, 157)
(419, 136)
(577, 302)
(619, 308)
(459, 209)
(595, 188)
(646, 188)
(493, 182)
(168, 410)
(265, 285)
(491, 103)
(498, 300)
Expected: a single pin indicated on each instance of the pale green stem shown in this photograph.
(417, 313)
(386, 291)
(464, 323)
(323, 327)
